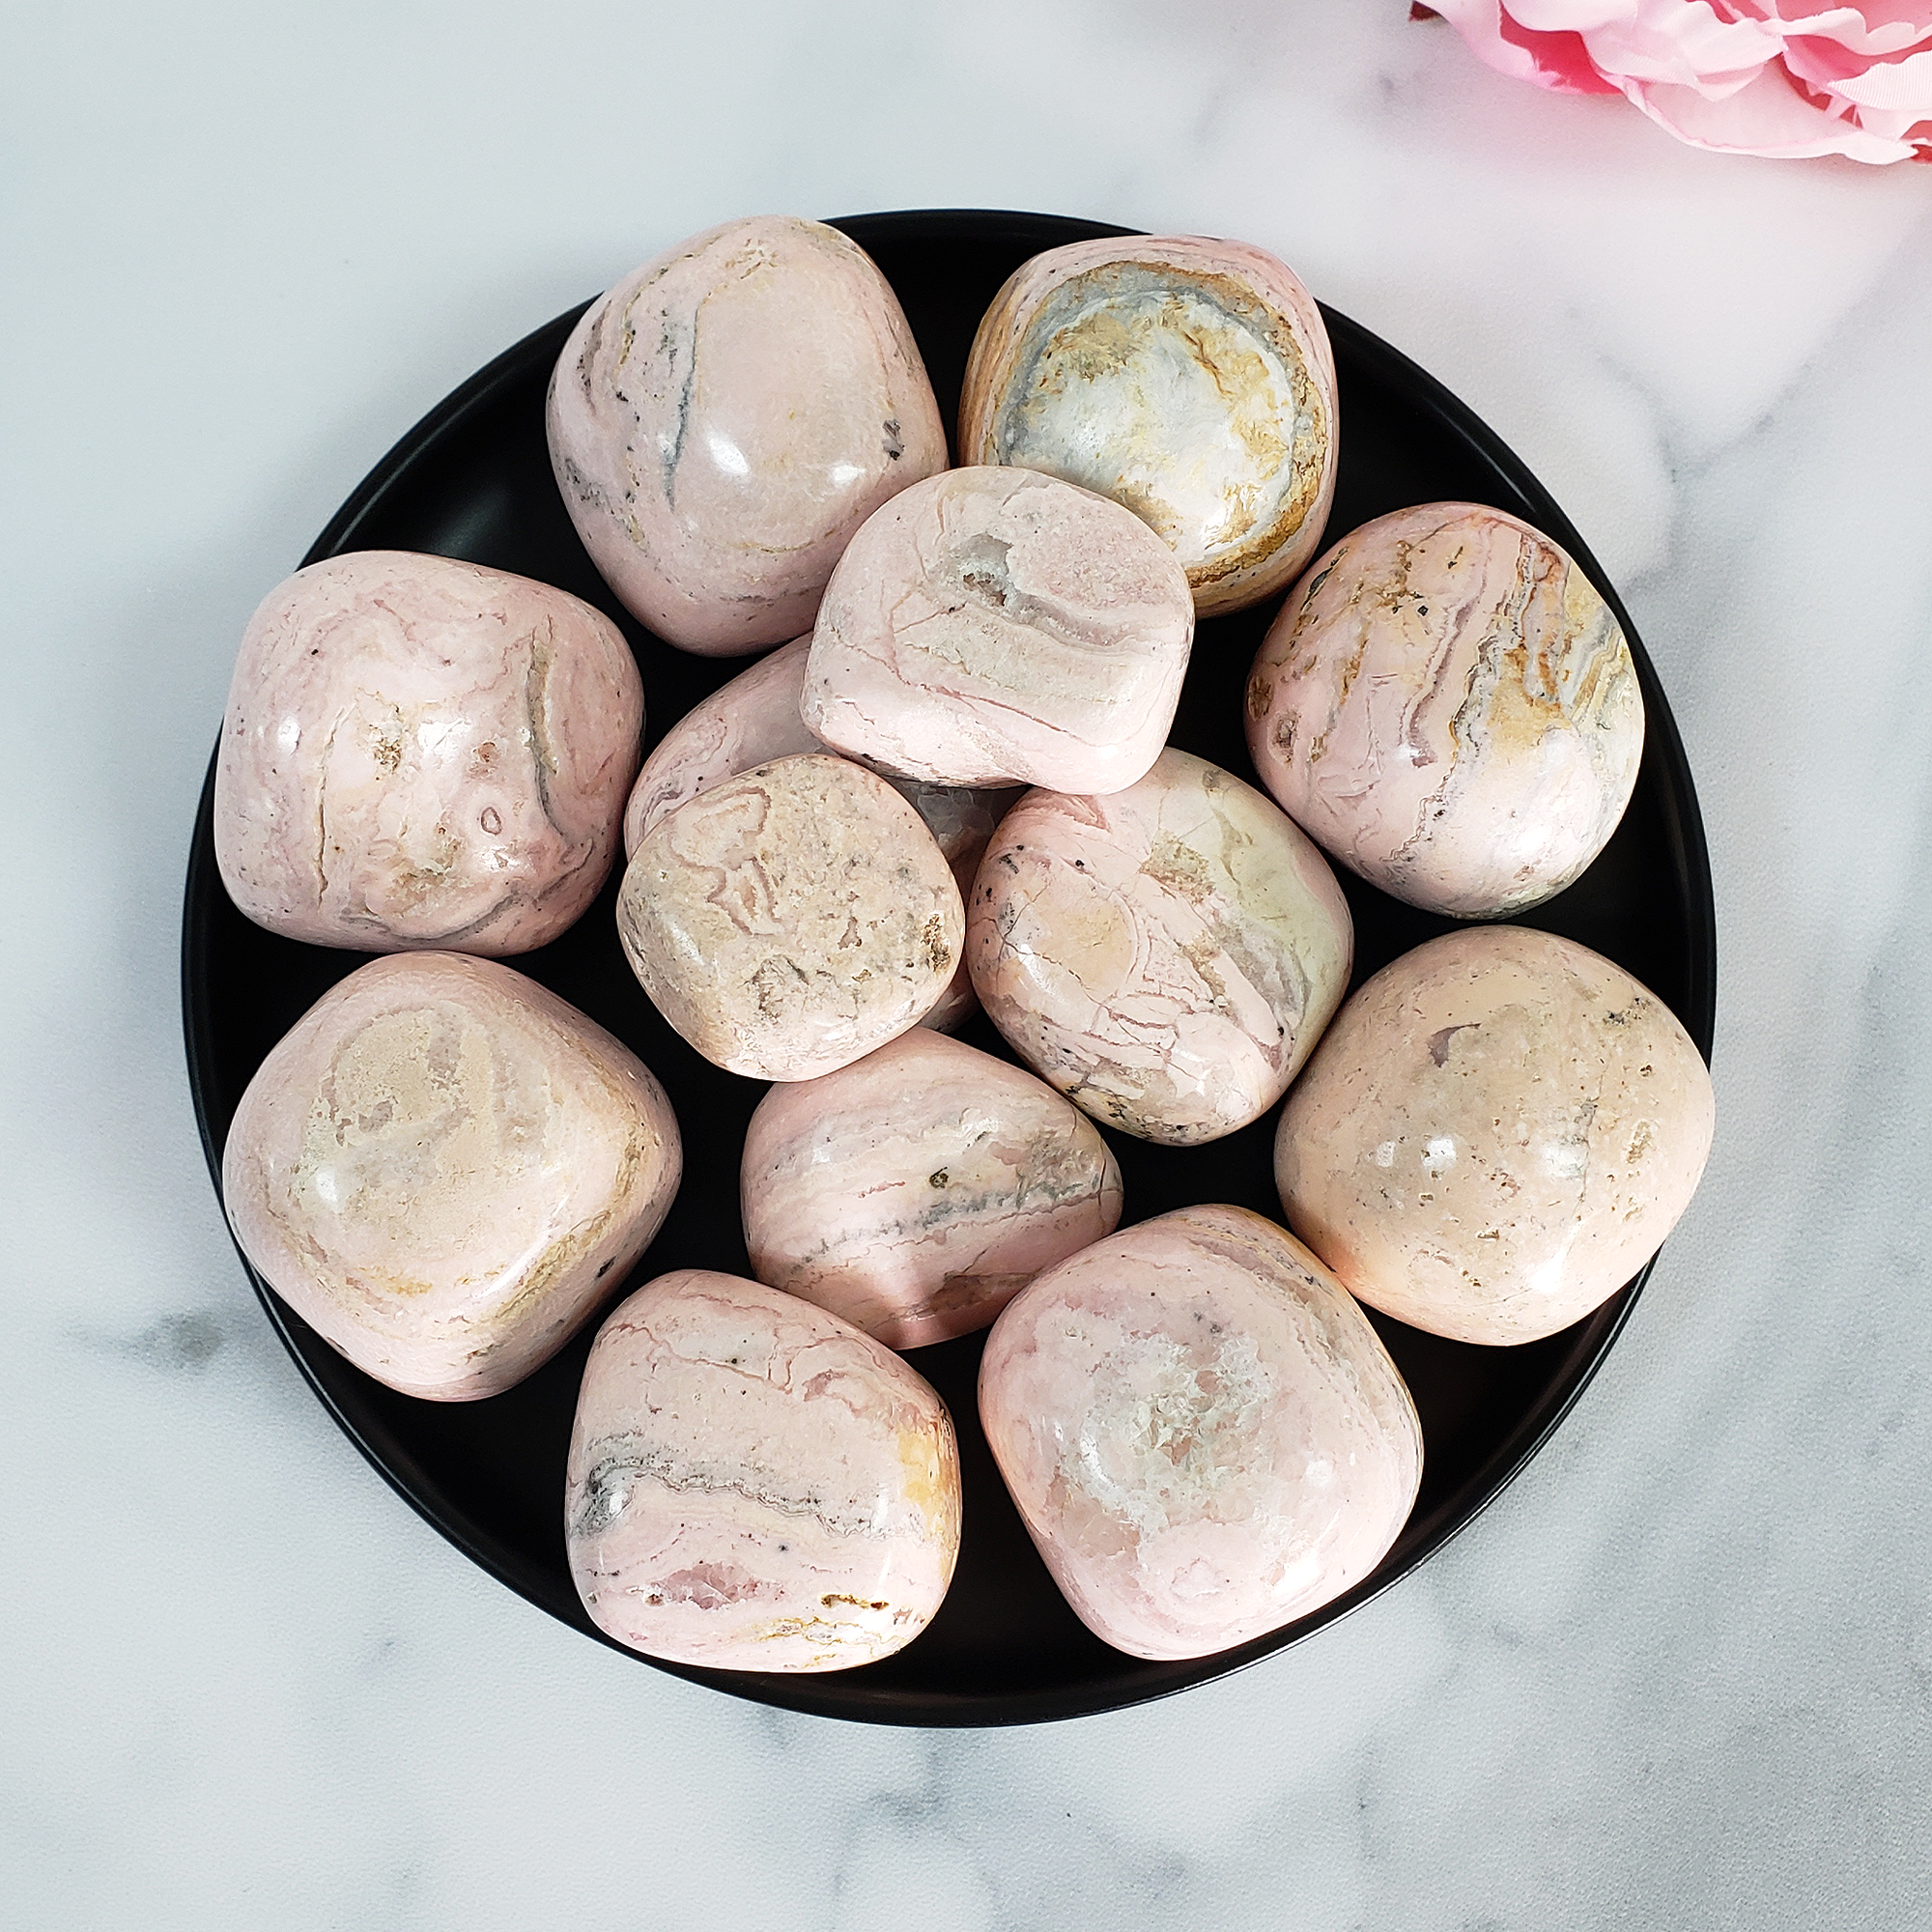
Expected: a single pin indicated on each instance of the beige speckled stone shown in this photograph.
(422, 752)
(753, 1485)
(1166, 957)
(917, 1191)
(725, 417)
(443, 1169)
(792, 918)
(1187, 378)
(1498, 1130)
(998, 627)
(1447, 704)
(753, 720)
(1202, 1432)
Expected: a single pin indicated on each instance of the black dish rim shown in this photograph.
(845, 1695)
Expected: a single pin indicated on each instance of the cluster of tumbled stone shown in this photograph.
(444, 1168)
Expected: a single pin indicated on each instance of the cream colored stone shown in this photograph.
(1202, 1432)
(1165, 956)
(1498, 1130)
(753, 1485)
(917, 1191)
(443, 1169)
(792, 918)
(1448, 706)
(1187, 378)
(753, 720)
(725, 417)
(997, 627)
(423, 753)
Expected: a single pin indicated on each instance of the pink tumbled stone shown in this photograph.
(753, 1485)
(1167, 955)
(999, 627)
(788, 921)
(1203, 1434)
(725, 417)
(917, 1191)
(753, 720)
(1498, 1130)
(1187, 378)
(1448, 706)
(749, 722)
(422, 752)
(443, 1169)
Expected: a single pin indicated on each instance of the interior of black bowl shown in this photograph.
(472, 480)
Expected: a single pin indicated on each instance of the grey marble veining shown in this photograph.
(1680, 1676)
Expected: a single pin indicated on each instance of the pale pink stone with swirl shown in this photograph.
(1203, 1434)
(1165, 956)
(1449, 707)
(999, 627)
(1187, 378)
(725, 417)
(754, 719)
(443, 1169)
(423, 753)
(788, 921)
(917, 1191)
(753, 1485)
(1496, 1133)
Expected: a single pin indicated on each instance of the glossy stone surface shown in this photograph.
(917, 1191)
(1187, 378)
(753, 720)
(443, 1169)
(725, 417)
(1202, 1432)
(998, 627)
(422, 752)
(1166, 957)
(792, 918)
(1448, 706)
(753, 1485)
(1498, 1130)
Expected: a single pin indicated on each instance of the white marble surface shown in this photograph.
(1679, 1677)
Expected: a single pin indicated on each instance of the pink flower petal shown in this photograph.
(1557, 60)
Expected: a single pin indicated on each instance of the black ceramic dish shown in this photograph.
(472, 480)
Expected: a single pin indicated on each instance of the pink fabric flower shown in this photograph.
(1784, 78)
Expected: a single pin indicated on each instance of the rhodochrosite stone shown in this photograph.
(422, 752)
(1448, 706)
(753, 720)
(725, 417)
(444, 1168)
(917, 1191)
(997, 627)
(1203, 1434)
(1166, 957)
(754, 1485)
(792, 918)
(1189, 378)
(1496, 1133)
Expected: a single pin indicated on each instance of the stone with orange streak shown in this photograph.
(1448, 706)
(756, 1485)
